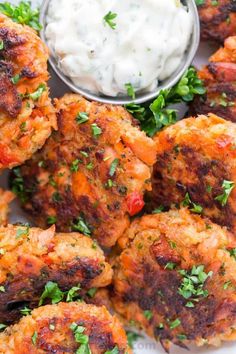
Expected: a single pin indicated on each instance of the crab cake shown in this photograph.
(91, 174)
(176, 279)
(31, 257)
(26, 113)
(66, 328)
(196, 167)
(219, 78)
(218, 19)
(5, 199)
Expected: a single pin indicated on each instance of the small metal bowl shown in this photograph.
(142, 97)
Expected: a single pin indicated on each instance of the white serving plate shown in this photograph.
(144, 345)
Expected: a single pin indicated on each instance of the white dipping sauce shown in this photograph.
(147, 44)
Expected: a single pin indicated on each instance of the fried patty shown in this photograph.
(196, 167)
(31, 257)
(26, 113)
(92, 173)
(5, 199)
(176, 279)
(63, 328)
(218, 19)
(219, 78)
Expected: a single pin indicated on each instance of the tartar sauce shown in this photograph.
(111, 46)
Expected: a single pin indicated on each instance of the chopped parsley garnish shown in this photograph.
(91, 292)
(113, 167)
(195, 208)
(51, 220)
(199, 2)
(81, 226)
(148, 314)
(2, 289)
(130, 90)
(17, 185)
(115, 350)
(75, 165)
(35, 96)
(81, 338)
(232, 253)
(2, 326)
(82, 117)
(25, 311)
(73, 293)
(156, 116)
(175, 323)
(1, 45)
(52, 292)
(96, 130)
(170, 266)
(192, 284)
(132, 338)
(34, 338)
(22, 232)
(22, 14)
(158, 210)
(16, 79)
(56, 197)
(227, 186)
(109, 19)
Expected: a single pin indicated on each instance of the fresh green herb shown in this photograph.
(2, 326)
(84, 153)
(56, 197)
(227, 284)
(172, 244)
(148, 314)
(91, 292)
(81, 226)
(72, 293)
(75, 165)
(2, 289)
(227, 186)
(132, 338)
(22, 14)
(181, 337)
(199, 2)
(90, 166)
(51, 220)
(96, 130)
(175, 323)
(17, 185)
(232, 252)
(192, 286)
(115, 350)
(1, 45)
(158, 210)
(35, 96)
(195, 208)
(113, 167)
(16, 79)
(81, 338)
(130, 90)
(82, 117)
(156, 116)
(109, 17)
(170, 266)
(25, 311)
(34, 338)
(52, 292)
(22, 232)
(23, 127)
(52, 327)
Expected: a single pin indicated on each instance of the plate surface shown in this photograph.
(145, 345)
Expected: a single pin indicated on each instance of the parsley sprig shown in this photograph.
(22, 13)
(227, 187)
(109, 19)
(153, 117)
(192, 285)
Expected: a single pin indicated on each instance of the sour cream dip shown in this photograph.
(112, 47)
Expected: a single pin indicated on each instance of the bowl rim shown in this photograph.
(142, 97)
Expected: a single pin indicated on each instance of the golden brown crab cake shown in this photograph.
(219, 78)
(218, 19)
(196, 167)
(176, 279)
(66, 328)
(6, 198)
(91, 175)
(26, 113)
(31, 257)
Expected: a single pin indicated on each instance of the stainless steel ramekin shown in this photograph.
(142, 97)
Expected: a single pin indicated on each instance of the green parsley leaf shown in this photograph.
(25, 311)
(115, 350)
(22, 232)
(132, 338)
(148, 314)
(195, 208)
(52, 292)
(91, 292)
(2, 326)
(81, 226)
(82, 117)
(75, 165)
(22, 14)
(113, 167)
(17, 185)
(130, 90)
(1, 45)
(108, 19)
(72, 293)
(51, 220)
(175, 323)
(170, 266)
(96, 130)
(81, 338)
(16, 79)
(34, 338)
(227, 186)
(158, 210)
